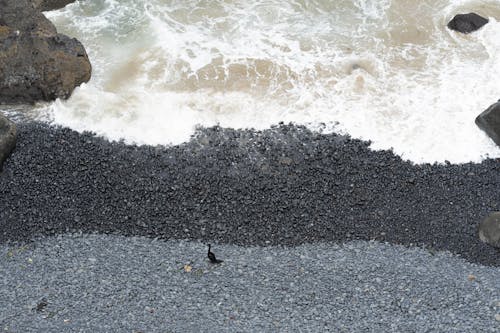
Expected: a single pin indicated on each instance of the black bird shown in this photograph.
(212, 258)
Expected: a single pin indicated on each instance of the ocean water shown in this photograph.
(388, 71)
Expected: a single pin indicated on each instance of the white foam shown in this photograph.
(161, 68)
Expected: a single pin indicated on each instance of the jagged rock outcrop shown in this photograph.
(44, 5)
(467, 23)
(36, 62)
(7, 138)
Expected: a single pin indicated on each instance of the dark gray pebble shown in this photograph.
(282, 186)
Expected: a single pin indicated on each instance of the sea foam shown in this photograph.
(385, 71)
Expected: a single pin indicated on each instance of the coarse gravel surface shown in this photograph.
(99, 283)
(282, 186)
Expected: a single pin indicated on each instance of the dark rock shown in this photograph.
(40, 67)
(7, 138)
(467, 23)
(489, 121)
(45, 5)
(23, 16)
(37, 63)
(489, 230)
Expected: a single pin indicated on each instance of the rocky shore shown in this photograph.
(283, 186)
(305, 222)
(102, 283)
(36, 62)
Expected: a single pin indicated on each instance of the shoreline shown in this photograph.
(283, 186)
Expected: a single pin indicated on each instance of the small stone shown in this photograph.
(285, 160)
(40, 307)
(497, 317)
(489, 230)
(471, 277)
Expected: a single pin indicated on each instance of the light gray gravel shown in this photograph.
(103, 283)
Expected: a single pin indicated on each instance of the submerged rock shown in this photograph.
(7, 138)
(467, 23)
(489, 230)
(489, 121)
(36, 62)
